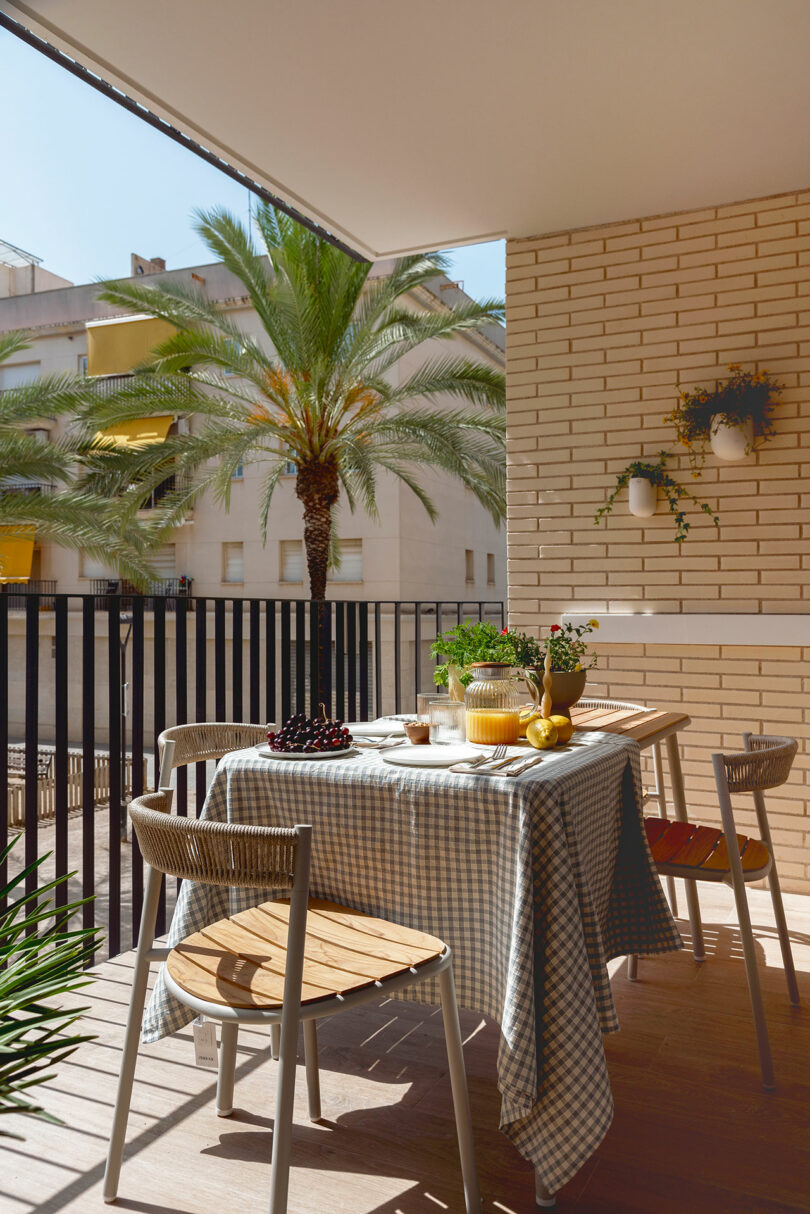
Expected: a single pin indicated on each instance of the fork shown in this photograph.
(498, 753)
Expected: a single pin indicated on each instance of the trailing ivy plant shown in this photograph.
(744, 396)
(674, 492)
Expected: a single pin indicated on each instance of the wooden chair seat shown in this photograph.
(700, 852)
(240, 962)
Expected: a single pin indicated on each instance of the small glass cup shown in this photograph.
(424, 700)
(446, 719)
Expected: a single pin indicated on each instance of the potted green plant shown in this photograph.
(466, 643)
(570, 663)
(729, 417)
(644, 479)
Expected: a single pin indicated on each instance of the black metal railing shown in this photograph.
(168, 588)
(105, 674)
(17, 593)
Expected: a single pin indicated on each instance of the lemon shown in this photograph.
(526, 716)
(565, 729)
(542, 733)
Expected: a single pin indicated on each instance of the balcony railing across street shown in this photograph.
(104, 673)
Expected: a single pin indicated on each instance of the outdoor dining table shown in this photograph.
(535, 882)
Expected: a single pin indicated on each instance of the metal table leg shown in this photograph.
(679, 802)
(543, 1197)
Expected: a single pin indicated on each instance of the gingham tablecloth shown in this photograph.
(535, 882)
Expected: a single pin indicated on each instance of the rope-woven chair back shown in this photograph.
(765, 764)
(197, 743)
(609, 705)
(215, 853)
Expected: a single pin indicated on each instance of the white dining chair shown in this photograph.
(283, 962)
(203, 742)
(704, 853)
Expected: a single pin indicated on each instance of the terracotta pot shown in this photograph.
(566, 688)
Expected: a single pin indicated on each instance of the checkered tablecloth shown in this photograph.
(534, 882)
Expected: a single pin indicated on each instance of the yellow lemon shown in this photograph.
(542, 733)
(527, 715)
(565, 729)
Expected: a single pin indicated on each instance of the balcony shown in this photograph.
(17, 594)
(170, 589)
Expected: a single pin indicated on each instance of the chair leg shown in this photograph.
(137, 999)
(227, 1067)
(754, 989)
(282, 1124)
(461, 1098)
(313, 1076)
(679, 801)
(784, 937)
(275, 1039)
(632, 966)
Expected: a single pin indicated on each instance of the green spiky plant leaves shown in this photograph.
(325, 387)
(41, 960)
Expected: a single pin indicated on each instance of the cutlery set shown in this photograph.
(497, 764)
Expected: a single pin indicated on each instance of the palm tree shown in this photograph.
(71, 515)
(319, 392)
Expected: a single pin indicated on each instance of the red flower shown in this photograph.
(504, 632)
(554, 628)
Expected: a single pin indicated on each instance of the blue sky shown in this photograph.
(84, 183)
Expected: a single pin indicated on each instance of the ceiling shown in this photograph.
(434, 123)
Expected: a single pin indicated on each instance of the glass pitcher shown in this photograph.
(492, 704)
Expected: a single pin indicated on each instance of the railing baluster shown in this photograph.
(314, 652)
(254, 660)
(159, 618)
(236, 659)
(220, 710)
(417, 651)
(137, 711)
(270, 660)
(88, 758)
(31, 737)
(363, 672)
(181, 695)
(60, 758)
(114, 657)
(378, 698)
(286, 682)
(340, 661)
(300, 657)
(351, 650)
(397, 657)
(200, 687)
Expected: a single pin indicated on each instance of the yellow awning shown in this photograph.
(16, 553)
(139, 432)
(116, 347)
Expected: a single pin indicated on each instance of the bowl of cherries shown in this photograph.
(303, 737)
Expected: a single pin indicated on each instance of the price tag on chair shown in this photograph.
(205, 1042)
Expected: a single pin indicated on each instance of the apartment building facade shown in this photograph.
(400, 555)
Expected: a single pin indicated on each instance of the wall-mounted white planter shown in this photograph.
(731, 442)
(643, 496)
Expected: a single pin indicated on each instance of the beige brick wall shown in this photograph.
(601, 325)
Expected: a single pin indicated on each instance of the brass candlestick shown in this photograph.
(545, 707)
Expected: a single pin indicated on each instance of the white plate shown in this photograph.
(383, 727)
(429, 756)
(266, 753)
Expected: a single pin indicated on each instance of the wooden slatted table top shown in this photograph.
(646, 727)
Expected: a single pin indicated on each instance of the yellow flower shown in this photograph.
(593, 623)
(578, 666)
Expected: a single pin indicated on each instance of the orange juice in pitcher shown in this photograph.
(492, 703)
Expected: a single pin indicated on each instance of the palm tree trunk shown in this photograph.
(317, 487)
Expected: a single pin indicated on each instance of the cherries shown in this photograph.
(309, 735)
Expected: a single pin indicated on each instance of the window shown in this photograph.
(17, 374)
(89, 567)
(82, 364)
(490, 569)
(233, 563)
(351, 562)
(164, 561)
(238, 473)
(469, 565)
(291, 561)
